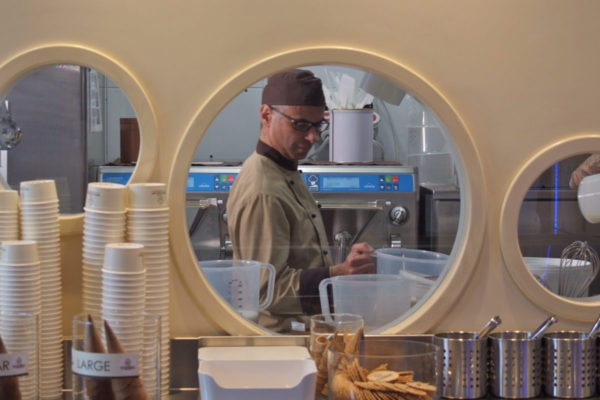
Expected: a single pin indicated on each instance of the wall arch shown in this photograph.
(471, 227)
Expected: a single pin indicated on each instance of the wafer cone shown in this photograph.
(9, 386)
(124, 388)
(96, 388)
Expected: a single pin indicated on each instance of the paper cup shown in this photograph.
(124, 257)
(38, 191)
(19, 252)
(147, 195)
(19, 333)
(106, 197)
(116, 217)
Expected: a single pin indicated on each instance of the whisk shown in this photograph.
(579, 264)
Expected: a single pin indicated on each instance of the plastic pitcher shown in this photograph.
(379, 299)
(418, 286)
(428, 264)
(238, 282)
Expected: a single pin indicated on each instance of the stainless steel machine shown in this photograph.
(377, 204)
(372, 203)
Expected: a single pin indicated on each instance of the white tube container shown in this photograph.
(351, 136)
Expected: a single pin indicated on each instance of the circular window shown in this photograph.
(549, 247)
(429, 136)
(61, 100)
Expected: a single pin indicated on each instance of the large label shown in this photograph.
(102, 365)
(13, 365)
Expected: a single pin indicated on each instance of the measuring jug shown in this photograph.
(428, 264)
(238, 282)
(379, 299)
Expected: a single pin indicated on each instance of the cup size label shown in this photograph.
(13, 365)
(102, 365)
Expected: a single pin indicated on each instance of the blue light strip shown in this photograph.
(556, 199)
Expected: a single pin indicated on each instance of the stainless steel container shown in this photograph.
(515, 369)
(464, 364)
(570, 364)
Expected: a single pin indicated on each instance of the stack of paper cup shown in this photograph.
(103, 223)
(20, 293)
(148, 224)
(9, 215)
(123, 301)
(19, 332)
(39, 222)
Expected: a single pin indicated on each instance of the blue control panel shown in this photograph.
(209, 182)
(360, 183)
(316, 182)
(116, 177)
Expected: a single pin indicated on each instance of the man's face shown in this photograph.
(279, 133)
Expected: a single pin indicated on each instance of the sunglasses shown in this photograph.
(303, 125)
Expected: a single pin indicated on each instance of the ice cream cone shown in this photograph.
(9, 386)
(96, 388)
(124, 388)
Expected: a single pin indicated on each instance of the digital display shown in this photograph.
(340, 182)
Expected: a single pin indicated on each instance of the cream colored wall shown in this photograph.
(512, 80)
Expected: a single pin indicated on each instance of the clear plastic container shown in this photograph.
(398, 367)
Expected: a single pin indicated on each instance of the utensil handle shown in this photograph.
(324, 296)
(492, 323)
(594, 329)
(542, 328)
(270, 286)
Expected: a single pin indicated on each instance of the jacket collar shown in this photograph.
(265, 150)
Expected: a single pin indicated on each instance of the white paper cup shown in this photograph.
(134, 216)
(158, 221)
(106, 197)
(137, 277)
(91, 216)
(122, 288)
(38, 191)
(147, 195)
(19, 252)
(103, 237)
(148, 233)
(40, 223)
(9, 201)
(116, 280)
(93, 226)
(149, 240)
(124, 257)
(48, 207)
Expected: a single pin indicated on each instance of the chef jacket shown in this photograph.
(273, 218)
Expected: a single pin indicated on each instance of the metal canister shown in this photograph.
(515, 365)
(464, 364)
(570, 364)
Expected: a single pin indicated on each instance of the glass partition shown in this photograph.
(558, 244)
(404, 199)
(72, 120)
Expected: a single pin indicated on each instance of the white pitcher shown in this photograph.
(238, 282)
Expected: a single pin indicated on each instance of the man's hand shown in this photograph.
(590, 166)
(358, 261)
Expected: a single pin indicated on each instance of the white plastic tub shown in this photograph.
(257, 379)
(428, 264)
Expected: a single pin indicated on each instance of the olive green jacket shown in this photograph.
(273, 218)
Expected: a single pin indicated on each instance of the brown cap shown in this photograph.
(296, 87)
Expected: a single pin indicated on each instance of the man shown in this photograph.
(272, 216)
